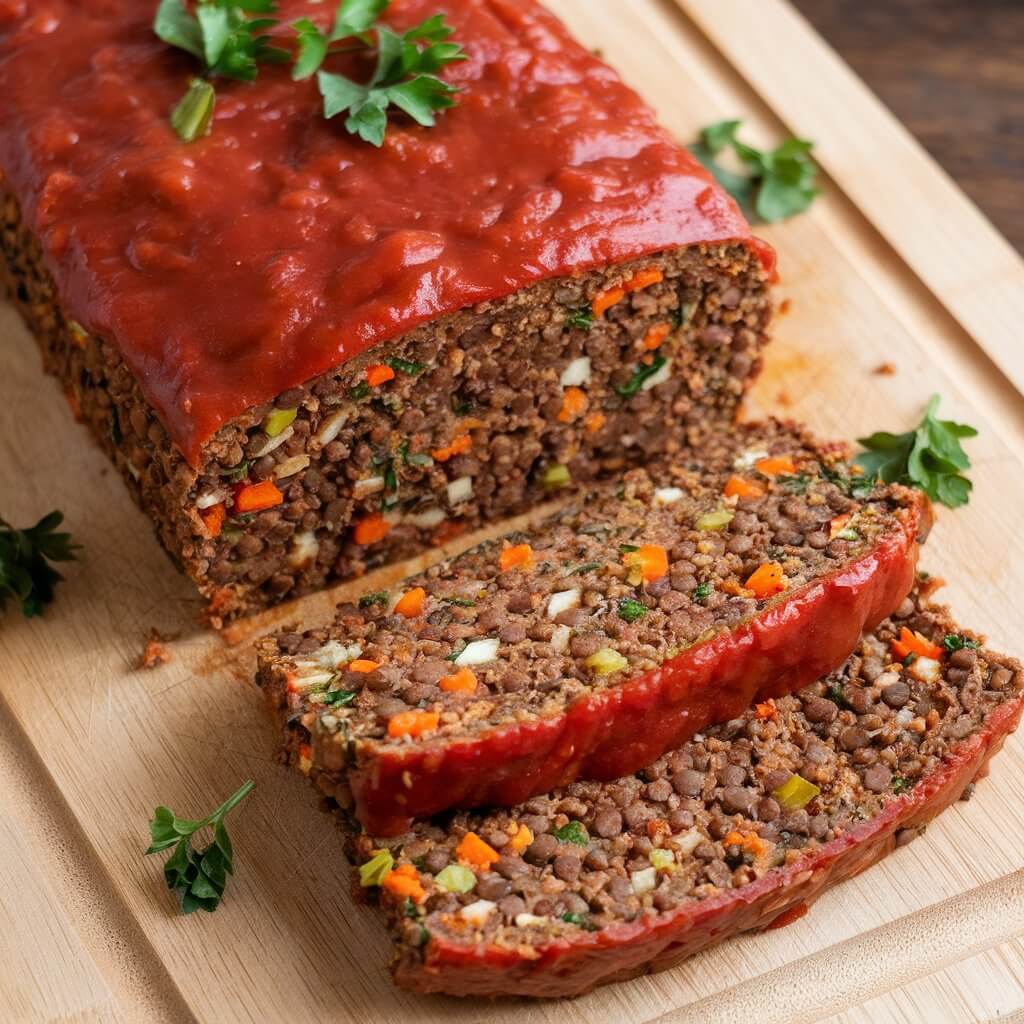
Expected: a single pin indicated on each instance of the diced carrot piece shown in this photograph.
(912, 642)
(475, 852)
(521, 840)
(658, 827)
(644, 279)
(595, 421)
(515, 557)
(404, 885)
(363, 665)
(464, 681)
(656, 335)
(838, 524)
(410, 604)
(412, 723)
(767, 710)
(305, 758)
(749, 841)
(213, 519)
(776, 465)
(470, 423)
(737, 487)
(574, 404)
(603, 301)
(650, 560)
(256, 497)
(372, 529)
(459, 446)
(379, 374)
(766, 580)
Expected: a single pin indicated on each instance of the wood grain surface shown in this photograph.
(89, 743)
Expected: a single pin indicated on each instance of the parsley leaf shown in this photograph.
(575, 832)
(582, 318)
(930, 457)
(197, 877)
(954, 642)
(25, 572)
(641, 375)
(631, 610)
(777, 183)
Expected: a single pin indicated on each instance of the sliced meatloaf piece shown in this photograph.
(739, 829)
(308, 355)
(610, 633)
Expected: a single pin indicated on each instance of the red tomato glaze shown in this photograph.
(232, 268)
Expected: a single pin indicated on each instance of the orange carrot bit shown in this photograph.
(767, 711)
(656, 335)
(411, 603)
(912, 642)
(574, 404)
(595, 421)
(213, 519)
(650, 561)
(750, 842)
(766, 580)
(644, 279)
(737, 487)
(837, 525)
(475, 852)
(363, 666)
(658, 827)
(470, 423)
(459, 446)
(404, 882)
(603, 301)
(518, 556)
(464, 681)
(256, 497)
(372, 529)
(776, 465)
(521, 840)
(412, 723)
(788, 917)
(379, 374)
(305, 758)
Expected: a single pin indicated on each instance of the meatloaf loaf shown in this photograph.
(608, 634)
(308, 355)
(739, 829)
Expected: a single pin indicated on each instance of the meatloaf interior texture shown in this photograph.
(470, 418)
(737, 829)
(611, 632)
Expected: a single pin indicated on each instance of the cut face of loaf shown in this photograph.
(739, 829)
(608, 634)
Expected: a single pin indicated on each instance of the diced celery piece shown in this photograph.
(795, 793)
(456, 878)
(713, 521)
(556, 475)
(279, 421)
(606, 661)
(376, 869)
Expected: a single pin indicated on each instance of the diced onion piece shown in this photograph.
(687, 842)
(563, 601)
(478, 912)
(644, 880)
(296, 464)
(331, 427)
(367, 486)
(576, 373)
(606, 661)
(460, 490)
(668, 495)
(525, 920)
(455, 878)
(663, 374)
(478, 652)
(927, 670)
(795, 793)
(747, 460)
(310, 681)
(305, 548)
(274, 442)
(904, 717)
(428, 518)
(211, 498)
(662, 860)
(560, 639)
(714, 521)
(334, 654)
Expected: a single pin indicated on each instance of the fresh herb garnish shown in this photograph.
(582, 319)
(575, 832)
(339, 698)
(929, 457)
(852, 486)
(406, 366)
(25, 572)
(586, 567)
(360, 391)
(774, 185)
(461, 602)
(197, 877)
(952, 642)
(630, 610)
(627, 549)
(899, 784)
(797, 484)
(237, 474)
(641, 375)
(835, 694)
(583, 920)
(378, 597)
(703, 591)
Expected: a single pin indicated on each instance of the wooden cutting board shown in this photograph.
(891, 265)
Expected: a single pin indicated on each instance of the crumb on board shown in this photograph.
(785, 306)
(784, 399)
(885, 369)
(155, 653)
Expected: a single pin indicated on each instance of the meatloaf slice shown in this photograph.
(739, 829)
(610, 633)
(308, 355)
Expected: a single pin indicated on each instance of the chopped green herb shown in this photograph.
(627, 549)
(909, 660)
(929, 457)
(630, 610)
(406, 366)
(575, 832)
(378, 597)
(192, 116)
(797, 484)
(360, 391)
(237, 474)
(641, 375)
(853, 486)
(899, 784)
(376, 869)
(703, 591)
(409, 908)
(952, 642)
(461, 602)
(774, 185)
(582, 319)
(460, 404)
(586, 567)
(835, 694)
(339, 698)
(198, 877)
(25, 572)
(582, 920)
(390, 476)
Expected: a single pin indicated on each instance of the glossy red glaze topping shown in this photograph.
(235, 267)
(618, 730)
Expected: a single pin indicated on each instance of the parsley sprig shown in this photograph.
(197, 877)
(777, 183)
(929, 457)
(25, 556)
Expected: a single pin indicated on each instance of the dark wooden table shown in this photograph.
(953, 72)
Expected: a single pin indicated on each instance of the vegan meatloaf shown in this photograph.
(739, 829)
(603, 637)
(308, 355)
